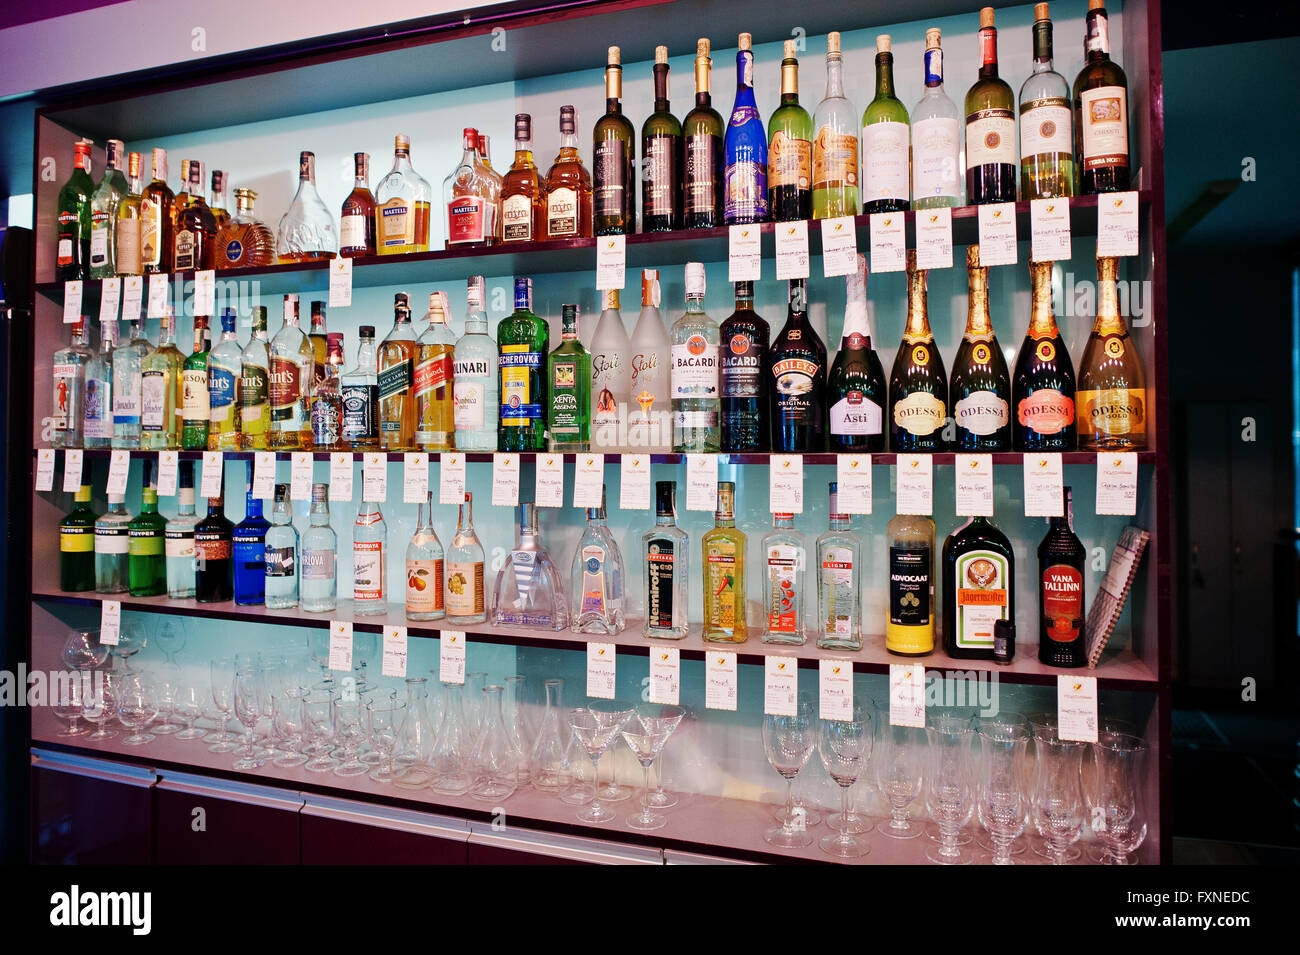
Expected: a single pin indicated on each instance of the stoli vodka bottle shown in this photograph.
(649, 420)
(610, 384)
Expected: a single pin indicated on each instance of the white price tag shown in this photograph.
(1076, 708)
(600, 671)
(110, 297)
(211, 484)
(907, 694)
(119, 467)
(168, 471)
(1049, 230)
(665, 675)
(300, 476)
(835, 690)
(780, 686)
(415, 478)
(374, 477)
(451, 478)
(451, 656)
(588, 479)
(785, 483)
(72, 461)
(264, 476)
(548, 489)
(888, 242)
(132, 296)
(158, 294)
(341, 645)
(340, 282)
(505, 480)
(45, 469)
(1044, 492)
(701, 482)
(611, 262)
(853, 473)
(973, 479)
(934, 238)
(720, 680)
(634, 483)
(792, 250)
(745, 253)
(110, 622)
(394, 664)
(915, 493)
(1117, 223)
(1117, 482)
(997, 234)
(205, 292)
(341, 476)
(839, 246)
(72, 292)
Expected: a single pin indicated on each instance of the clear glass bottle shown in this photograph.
(435, 426)
(69, 371)
(529, 592)
(1046, 122)
(369, 561)
(160, 375)
(126, 239)
(723, 550)
(835, 143)
(475, 394)
(610, 377)
(425, 569)
(414, 749)
(281, 554)
(112, 535)
(551, 753)
(786, 559)
(360, 390)
(225, 366)
(402, 201)
(569, 387)
(293, 368)
(695, 381)
(254, 384)
(244, 241)
(307, 229)
(108, 195)
(839, 578)
(467, 198)
(319, 587)
(597, 577)
(494, 182)
(327, 401)
(464, 591)
(218, 203)
(97, 419)
(397, 356)
(453, 750)
(178, 538)
(128, 362)
(649, 421)
(938, 141)
(665, 566)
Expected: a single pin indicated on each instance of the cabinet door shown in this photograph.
(205, 821)
(90, 811)
(344, 832)
(527, 847)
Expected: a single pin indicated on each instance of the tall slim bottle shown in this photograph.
(254, 386)
(156, 225)
(723, 550)
(979, 388)
(789, 148)
(695, 379)
(74, 217)
(839, 579)
(128, 363)
(1046, 122)
(281, 555)
(146, 543)
(424, 568)
(225, 366)
(661, 151)
(990, 126)
(746, 142)
(464, 592)
(357, 221)
(435, 426)
(69, 371)
(569, 385)
(97, 418)
(319, 338)
(1061, 556)
(886, 146)
(397, 358)
(856, 393)
(610, 377)
(1100, 111)
(128, 220)
(938, 138)
(649, 420)
(110, 192)
(1111, 407)
(475, 393)
(918, 384)
(796, 380)
(1042, 386)
(745, 338)
(835, 143)
(160, 380)
(369, 561)
(614, 159)
(193, 406)
(522, 341)
(704, 166)
(319, 587)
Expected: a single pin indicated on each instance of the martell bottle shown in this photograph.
(1042, 388)
(705, 152)
(1111, 401)
(856, 393)
(1061, 556)
(745, 339)
(402, 201)
(614, 158)
(918, 385)
(796, 381)
(979, 389)
(979, 573)
(1100, 111)
(661, 151)
(990, 126)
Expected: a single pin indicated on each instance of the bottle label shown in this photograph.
(981, 412)
(423, 586)
(151, 214)
(325, 417)
(64, 377)
(720, 579)
(645, 375)
(593, 581)
(782, 589)
(981, 584)
(467, 220)
(909, 586)
(1046, 127)
(194, 394)
(471, 405)
(98, 419)
(464, 588)
(432, 373)
(561, 213)
(741, 365)
(1112, 412)
(795, 380)
(221, 391)
(1105, 127)
(126, 402)
(565, 419)
(253, 394)
(128, 246)
(359, 404)
(920, 413)
(519, 406)
(660, 579)
(936, 149)
(65, 245)
(695, 368)
(609, 194)
(153, 400)
(660, 182)
(396, 224)
(691, 420)
(1046, 411)
(186, 249)
(517, 219)
(285, 389)
(703, 155)
(368, 570)
(838, 592)
(1062, 603)
(318, 565)
(855, 413)
(990, 138)
(111, 538)
(76, 540)
(147, 542)
(605, 367)
(281, 561)
(789, 162)
(835, 159)
(395, 379)
(99, 230)
(885, 158)
(746, 192)
(352, 232)
(179, 543)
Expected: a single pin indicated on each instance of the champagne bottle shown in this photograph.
(918, 385)
(1110, 405)
(1042, 388)
(856, 393)
(979, 392)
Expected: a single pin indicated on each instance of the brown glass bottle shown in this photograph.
(1100, 111)
(196, 228)
(357, 221)
(568, 186)
(156, 225)
(523, 201)
(796, 380)
(614, 157)
(1060, 593)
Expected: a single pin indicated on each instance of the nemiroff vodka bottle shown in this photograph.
(610, 382)
(474, 363)
(319, 593)
(369, 546)
(649, 420)
(696, 401)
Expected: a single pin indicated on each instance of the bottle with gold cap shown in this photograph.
(704, 164)
(885, 141)
(937, 171)
(835, 143)
(610, 378)
(614, 159)
(918, 384)
(990, 126)
(661, 149)
(1042, 385)
(745, 197)
(1046, 122)
(979, 388)
(156, 225)
(724, 573)
(402, 201)
(789, 148)
(567, 205)
(127, 225)
(1100, 111)
(1111, 401)
(523, 198)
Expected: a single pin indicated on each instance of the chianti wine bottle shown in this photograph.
(1111, 405)
(979, 391)
(918, 385)
(796, 380)
(856, 393)
(1060, 593)
(1042, 388)
(1100, 111)
(979, 572)
(990, 126)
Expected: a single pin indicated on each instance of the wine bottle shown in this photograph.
(936, 137)
(705, 152)
(789, 148)
(746, 178)
(1060, 593)
(661, 149)
(979, 572)
(1042, 388)
(614, 159)
(979, 390)
(886, 148)
(990, 126)
(796, 380)
(835, 143)
(856, 393)
(918, 385)
(744, 353)
(1046, 122)
(1100, 111)
(1110, 404)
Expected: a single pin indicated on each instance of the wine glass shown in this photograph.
(318, 730)
(788, 742)
(137, 708)
(222, 673)
(188, 707)
(595, 726)
(1002, 795)
(900, 770)
(845, 747)
(949, 784)
(857, 823)
(350, 727)
(83, 651)
(167, 683)
(248, 710)
(129, 643)
(386, 717)
(101, 701)
(170, 639)
(1117, 814)
(287, 717)
(70, 701)
(1057, 806)
(646, 735)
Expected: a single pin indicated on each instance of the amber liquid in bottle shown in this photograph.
(568, 186)
(1111, 400)
(357, 220)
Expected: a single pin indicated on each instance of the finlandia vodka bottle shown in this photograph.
(98, 416)
(597, 576)
(319, 543)
(369, 564)
(424, 569)
(128, 359)
(610, 381)
(475, 366)
(665, 566)
(465, 600)
(179, 538)
(696, 401)
(281, 554)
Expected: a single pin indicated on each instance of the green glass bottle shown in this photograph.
(195, 403)
(885, 141)
(705, 152)
(614, 159)
(661, 149)
(77, 544)
(73, 258)
(522, 340)
(789, 148)
(569, 373)
(146, 546)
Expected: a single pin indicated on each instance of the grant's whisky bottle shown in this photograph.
(1111, 403)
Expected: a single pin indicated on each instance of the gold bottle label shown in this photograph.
(1112, 412)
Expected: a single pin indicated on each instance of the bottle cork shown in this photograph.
(973, 256)
(986, 17)
(702, 47)
(790, 47)
(615, 56)
(661, 54)
(932, 37)
(1040, 12)
(882, 43)
(832, 43)
(1097, 4)
(746, 41)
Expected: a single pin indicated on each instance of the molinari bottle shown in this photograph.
(979, 388)
(746, 140)
(990, 126)
(1042, 387)
(918, 385)
(1110, 404)
(979, 572)
(475, 365)
(705, 152)
(856, 393)
(796, 380)
(910, 628)
(745, 339)
(1060, 593)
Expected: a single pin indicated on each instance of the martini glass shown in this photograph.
(595, 727)
(646, 734)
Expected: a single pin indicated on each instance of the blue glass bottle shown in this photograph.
(746, 180)
(250, 553)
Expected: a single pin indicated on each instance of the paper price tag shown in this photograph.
(915, 493)
(1076, 708)
(701, 482)
(132, 296)
(997, 223)
(548, 489)
(300, 476)
(634, 482)
(340, 282)
(973, 478)
(780, 686)
(158, 295)
(853, 473)
(934, 238)
(745, 253)
(588, 479)
(792, 250)
(374, 477)
(611, 262)
(72, 292)
(211, 484)
(1049, 230)
(341, 645)
(505, 480)
(168, 472)
(451, 478)
(72, 461)
(205, 292)
(341, 476)
(45, 469)
(451, 656)
(394, 652)
(1044, 491)
(665, 675)
(415, 477)
(1117, 475)
(835, 689)
(907, 694)
(264, 476)
(720, 680)
(785, 483)
(1117, 223)
(839, 246)
(110, 297)
(600, 670)
(119, 466)
(888, 242)
(110, 622)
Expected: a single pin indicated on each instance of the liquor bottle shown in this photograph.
(703, 167)
(597, 577)
(614, 159)
(493, 181)
(695, 382)
(522, 340)
(225, 366)
(1042, 388)
(746, 147)
(146, 550)
(523, 201)
(126, 225)
(435, 385)
(744, 356)
(128, 363)
(789, 148)
(796, 385)
(611, 384)
(245, 241)
(661, 151)
(665, 565)
(979, 572)
(289, 386)
(108, 195)
(214, 565)
(1111, 401)
(178, 537)
(97, 414)
(918, 385)
(937, 138)
(475, 394)
(1046, 122)
(182, 198)
(1100, 111)
(69, 372)
(723, 549)
(160, 377)
(112, 534)
(306, 231)
(839, 566)
(254, 385)
(360, 396)
(77, 544)
(196, 228)
(74, 220)
(424, 568)
(529, 592)
(856, 393)
(567, 205)
(467, 198)
(464, 591)
(218, 204)
(1061, 557)
(990, 126)
(319, 543)
(281, 555)
(569, 373)
(369, 561)
(397, 357)
(649, 422)
(886, 150)
(786, 556)
(402, 201)
(327, 401)
(319, 338)
(979, 388)
(835, 143)
(359, 215)
(193, 406)
(156, 225)
(910, 628)
(249, 540)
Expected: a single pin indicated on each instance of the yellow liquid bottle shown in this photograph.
(724, 573)
(910, 629)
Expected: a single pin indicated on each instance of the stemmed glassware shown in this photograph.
(318, 730)
(646, 735)
(789, 741)
(69, 701)
(101, 701)
(845, 748)
(1058, 806)
(1002, 797)
(386, 717)
(248, 710)
(222, 673)
(595, 726)
(190, 700)
(350, 727)
(136, 709)
(287, 718)
(167, 687)
(552, 752)
(129, 643)
(1118, 818)
(900, 770)
(950, 783)
(83, 651)
(496, 761)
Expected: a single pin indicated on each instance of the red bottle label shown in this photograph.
(1063, 602)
